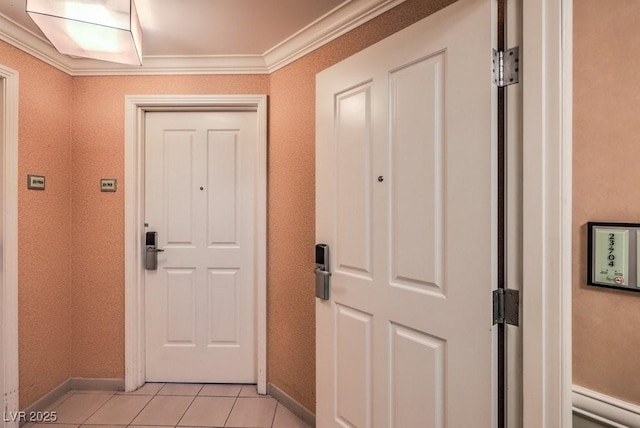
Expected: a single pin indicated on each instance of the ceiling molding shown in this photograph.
(26, 41)
(171, 65)
(327, 28)
(332, 25)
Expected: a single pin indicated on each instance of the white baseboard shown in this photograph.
(605, 409)
(296, 408)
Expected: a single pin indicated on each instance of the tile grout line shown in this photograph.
(68, 395)
(154, 395)
(143, 407)
(187, 409)
(226, 421)
(275, 413)
(95, 411)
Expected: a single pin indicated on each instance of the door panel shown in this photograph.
(200, 198)
(224, 307)
(416, 122)
(405, 198)
(417, 378)
(353, 132)
(354, 374)
(181, 307)
(178, 182)
(222, 167)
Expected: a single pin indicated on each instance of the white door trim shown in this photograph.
(547, 152)
(135, 106)
(9, 295)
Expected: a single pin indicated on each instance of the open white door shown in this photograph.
(406, 201)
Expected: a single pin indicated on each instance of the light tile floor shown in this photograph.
(172, 405)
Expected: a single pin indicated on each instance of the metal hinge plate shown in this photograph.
(506, 67)
(506, 307)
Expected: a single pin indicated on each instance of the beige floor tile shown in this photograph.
(145, 426)
(286, 419)
(250, 391)
(78, 407)
(58, 402)
(119, 410)
(208, 412)
(220, 390)
(181, 389)
(252, 412)
(163, 410)
(91, 391)
(96, 426)
(146, 389)
(48, 425)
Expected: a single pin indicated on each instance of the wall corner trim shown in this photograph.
(604, 408)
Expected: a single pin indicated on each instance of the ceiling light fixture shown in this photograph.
(107, 30)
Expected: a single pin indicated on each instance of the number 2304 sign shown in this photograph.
(613, 255)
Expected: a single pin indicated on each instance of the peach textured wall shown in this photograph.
(95, 299)
(606, 177)
(291, 327)
(43, 225)
(97, 291)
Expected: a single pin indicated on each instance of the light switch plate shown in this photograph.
(108, 185)
(35, 182)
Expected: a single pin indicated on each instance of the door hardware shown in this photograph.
(322, 271)
(151, 251)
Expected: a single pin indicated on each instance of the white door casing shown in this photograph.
(406, 200)
(135, 108)
(200, 199)
(9, 241)
(547, 157)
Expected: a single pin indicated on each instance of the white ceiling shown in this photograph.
(209, 36)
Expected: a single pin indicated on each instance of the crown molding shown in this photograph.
(34, 45)
(325, 29)
(332, 25)
(168, 65)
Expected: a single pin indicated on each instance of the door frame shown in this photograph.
(547, 219)
(135, 108)
(9, 296)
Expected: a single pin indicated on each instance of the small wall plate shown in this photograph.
(108, 185)
(35, 182)
(613, 255)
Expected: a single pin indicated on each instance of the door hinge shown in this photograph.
(506, 307)
(506, 67)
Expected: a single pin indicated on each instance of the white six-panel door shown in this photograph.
(406, 200)
(200, 198)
